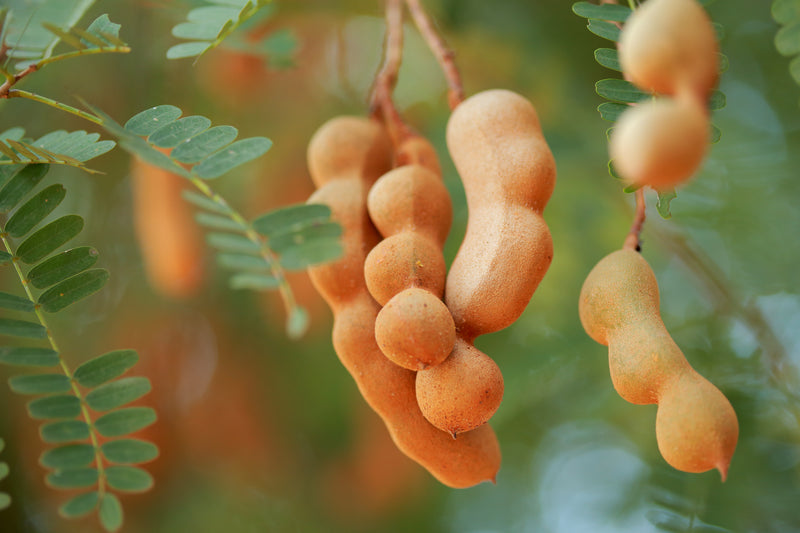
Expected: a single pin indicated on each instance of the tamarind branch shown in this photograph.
(633, 240)
(381, 102)
(443, 54)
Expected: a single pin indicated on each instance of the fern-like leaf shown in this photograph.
(258, 252)
(787, 39)
(34, 30)
(606, 20)
(55, 148)
(5, 499)
(207, 26)
(77, 408)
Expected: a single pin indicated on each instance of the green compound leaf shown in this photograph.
(50, 407)
(125, 421)
(15, 303)
(164, 129)
(621, 91)
(232, 156)
(26, 356)
(5, 257)
(73, 289)
(717, 101)
(68, 456)
(313, 252)
(62, 266)
(291, 217)
(257, 282)
(611, 111)
(612, 12)
(22, 328)
(232, 243)
(206, 203)
(48, 239)
(20, 185)
(606, 30)
(787, 40)
(72, 478)
(327, 231)
(609, 58)
(117, 393)
(153, 119)
(218, 222)
(40, 384)
(5, 501)
(111, 517)
(35, 210)
(242, 262)
(80, 505)
(128, 478)
(64, 431)
(208, 26)
(198, 147)
(129, 451)
(105, 367)
(105, 30)
(174, 133)
(664, 198)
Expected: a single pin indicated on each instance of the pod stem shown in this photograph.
(381, 102)
(444, 55)
(633, 240)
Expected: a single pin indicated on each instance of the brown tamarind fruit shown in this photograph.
(660, 143)
(346, 155)
(405, 272)
(669, 46)
(508, 171)
(696, 427)
(170, 240)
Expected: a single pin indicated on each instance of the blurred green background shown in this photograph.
(259, 433)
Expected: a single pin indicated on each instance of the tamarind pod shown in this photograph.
(508, 171)
(660, 143)
(169, 239)
(669, 45)
(696, 426)
(387, 388)
(405, 272)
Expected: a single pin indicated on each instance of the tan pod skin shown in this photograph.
(169, 238)
(508, 171)
(346, 156)
(405, 273)
(696, 427)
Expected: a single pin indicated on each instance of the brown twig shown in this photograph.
(443, 54)
(633, 240)
(9, 83)
(381, 102)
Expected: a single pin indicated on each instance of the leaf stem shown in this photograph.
(83, 52)
(17, 93)
(443, 54)
(101, 483)
(266, 253)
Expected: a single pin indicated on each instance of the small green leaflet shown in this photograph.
(664, 199)
(208, 26)
(787, 39)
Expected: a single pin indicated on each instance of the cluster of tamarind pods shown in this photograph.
(403, 326)
(668, 48)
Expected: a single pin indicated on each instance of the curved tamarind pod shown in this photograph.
(660, 143)
(170, 240)
(508, 171)
(386, 387)
(405, 272)
(669, 45)
(416, 150)
(696, 426)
